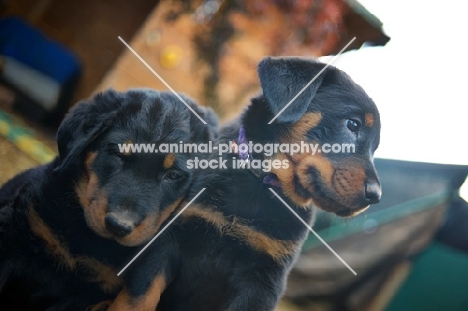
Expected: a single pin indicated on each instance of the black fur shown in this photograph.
(238, 242)
(51, 258)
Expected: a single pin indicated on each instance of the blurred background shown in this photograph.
(410, 250)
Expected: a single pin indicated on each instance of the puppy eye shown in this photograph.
(353, 125)
(173, 175)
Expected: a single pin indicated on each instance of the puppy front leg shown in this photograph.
(148, 301)
(258, 297)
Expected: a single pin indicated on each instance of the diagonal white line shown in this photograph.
(311, 230)
(311, 81)
(160, 232)
(162, 80)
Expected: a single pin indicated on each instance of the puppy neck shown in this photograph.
(246, 156)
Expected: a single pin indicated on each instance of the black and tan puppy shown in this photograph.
(237, 242)
(69, 226)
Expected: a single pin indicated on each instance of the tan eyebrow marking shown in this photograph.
(369, 120)
(169, 161)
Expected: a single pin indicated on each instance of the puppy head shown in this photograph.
(334, 114)
(127, 194)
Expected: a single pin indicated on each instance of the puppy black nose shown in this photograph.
(373, 192)
(117, 227)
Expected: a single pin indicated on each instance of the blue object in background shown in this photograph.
(42, 70)
(30, 47)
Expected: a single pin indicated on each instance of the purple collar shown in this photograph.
(267, 178)
(242, 139)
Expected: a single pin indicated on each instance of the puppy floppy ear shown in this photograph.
(207, 131)
(282, 78)
(84, 123)
(200, 131)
